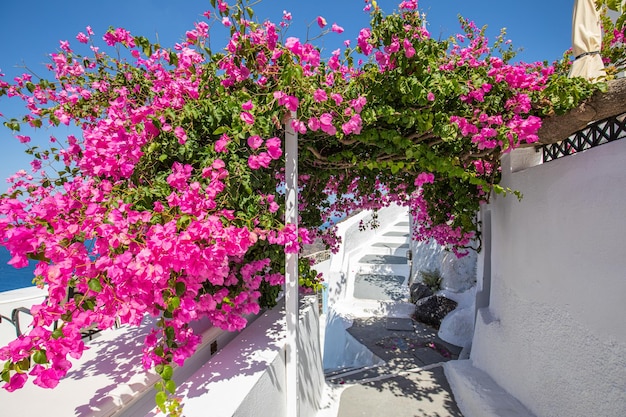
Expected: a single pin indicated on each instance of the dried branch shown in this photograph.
(599, 106)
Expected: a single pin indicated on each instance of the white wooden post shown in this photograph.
(291, 270)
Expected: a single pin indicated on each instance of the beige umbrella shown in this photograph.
(586, 41)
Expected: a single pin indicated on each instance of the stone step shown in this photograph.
(397, 233)
(398, 248)
(382, 259)
(478, 395)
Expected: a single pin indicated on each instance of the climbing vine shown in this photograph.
(170, 202)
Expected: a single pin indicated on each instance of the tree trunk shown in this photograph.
(599, 106)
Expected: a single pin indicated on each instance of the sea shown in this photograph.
(13, 278)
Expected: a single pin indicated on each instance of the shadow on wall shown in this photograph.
(310, 373)
(341, 349)
(427, 256)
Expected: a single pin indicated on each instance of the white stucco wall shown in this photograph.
(554, 333)
(247, 377)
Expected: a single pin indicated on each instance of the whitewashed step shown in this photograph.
(478, 395)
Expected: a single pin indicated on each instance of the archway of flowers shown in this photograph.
(170, 202)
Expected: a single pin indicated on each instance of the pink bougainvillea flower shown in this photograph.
(358, 103)
(424, 178)
(338, 98)
(292, 103)
(336, 28)
(326, 124)
(180, 133)
(247, 105)
(222, 6)
(247, 117)
(16, 382)
(273, 146)
(314, 124)
(294, 45)
(222, 144)
(409, 50)
(226, 21)
(23, 139)
(408, 5)
(352, 126)
(430, 96)
(321, 22)
(320, 95)
(255, 142)
(363, 41)
(253, 162)
(298, 126)
(82, 38)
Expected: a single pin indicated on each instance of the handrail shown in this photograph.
(15, 318)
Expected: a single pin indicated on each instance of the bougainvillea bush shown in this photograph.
(169, 201)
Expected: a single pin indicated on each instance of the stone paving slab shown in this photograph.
(400, 324)
(410, 383)
(424, 394)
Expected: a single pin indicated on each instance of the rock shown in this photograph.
(431, 310)
(458, 274)
(419, 290)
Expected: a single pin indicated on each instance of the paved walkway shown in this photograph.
(410, 383)
(410, 380)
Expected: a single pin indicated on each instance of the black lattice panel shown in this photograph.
(598, 133)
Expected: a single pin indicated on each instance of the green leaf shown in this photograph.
(220, 130)
(173, 58)
(170, 385)
(40, 357)
(180, 288)
(13, 124)
(94, 285)
(23, 365)
(160, 399)
(167, 372)
(173, 304)
(169, 333)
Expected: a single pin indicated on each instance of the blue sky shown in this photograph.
(31, 29)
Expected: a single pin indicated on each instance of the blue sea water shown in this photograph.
(12, 278)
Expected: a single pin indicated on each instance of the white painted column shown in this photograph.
(291, 269)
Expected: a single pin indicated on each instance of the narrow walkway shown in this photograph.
(410, 380)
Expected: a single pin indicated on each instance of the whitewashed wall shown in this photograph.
(554, 332)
